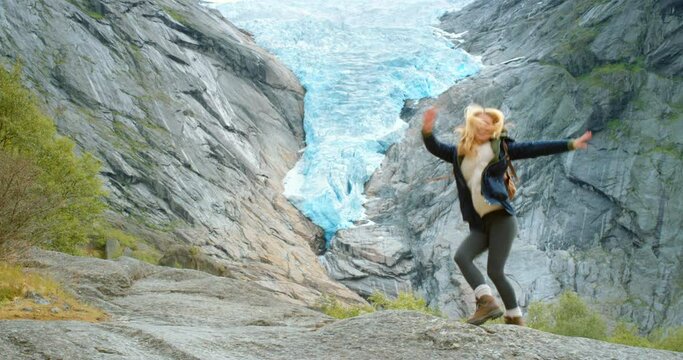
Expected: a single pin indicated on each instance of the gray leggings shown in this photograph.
(500, 230)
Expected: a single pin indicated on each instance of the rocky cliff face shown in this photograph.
(604, 222)
(165, 313)
(195, 125)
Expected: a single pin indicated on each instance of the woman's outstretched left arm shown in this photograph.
(531, 149)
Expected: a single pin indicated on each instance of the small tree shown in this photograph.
(54, 176)
(22, 202)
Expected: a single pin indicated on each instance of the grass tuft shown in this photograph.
(20, 289)
(378, 301)
(176, 15)
(88, 9)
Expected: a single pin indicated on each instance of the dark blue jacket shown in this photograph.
(492, 185)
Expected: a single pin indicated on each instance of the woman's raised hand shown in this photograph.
(582, 142)
(428, 120)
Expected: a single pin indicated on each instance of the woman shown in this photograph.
(479, 165)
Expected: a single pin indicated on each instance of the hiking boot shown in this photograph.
(514, 320)
(486, 309)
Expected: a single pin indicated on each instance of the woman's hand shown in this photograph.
(428, 120)
(582, 142)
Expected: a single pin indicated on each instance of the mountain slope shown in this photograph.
(604, 222)
(196, 127)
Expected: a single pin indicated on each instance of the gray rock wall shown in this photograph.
(195, 125)
(604, 222)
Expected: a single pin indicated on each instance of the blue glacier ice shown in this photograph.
(358, 60)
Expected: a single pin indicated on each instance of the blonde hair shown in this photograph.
(472, 121)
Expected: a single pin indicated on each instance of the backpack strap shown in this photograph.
(507, 157)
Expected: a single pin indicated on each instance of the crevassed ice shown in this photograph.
(359, 61)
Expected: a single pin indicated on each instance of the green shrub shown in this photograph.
(69, 181)
(627, 334)
(661, 338)
(378, 301)
(21, 202)
(102, 231)
(667, 339)
(570, 316)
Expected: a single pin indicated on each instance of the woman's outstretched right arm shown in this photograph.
(443, 151)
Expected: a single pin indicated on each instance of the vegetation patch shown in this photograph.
(578, 40)
(176, 15)
(87, 8)
(586, 5)
(139, 249)
(25, 295)
(568, 316)
(128, 138)
(378, 301)
(670, 149)
(136, 53)
(165, 227)
(571, 316)
(651, 146)
(50, 195)
(611, 75)
(616, 129)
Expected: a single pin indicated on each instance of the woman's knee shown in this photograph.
(495, 274)
(460, 258)
(463, 257)
(471, 247)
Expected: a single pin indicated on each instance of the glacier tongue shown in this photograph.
(358, 61)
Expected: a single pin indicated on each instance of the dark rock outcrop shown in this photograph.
(604, 222)
(195, 125)
(165, 313)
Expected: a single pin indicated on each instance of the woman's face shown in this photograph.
(485, 128)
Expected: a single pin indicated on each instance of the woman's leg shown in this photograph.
(502, 231)
(474, 244)
(487, 307)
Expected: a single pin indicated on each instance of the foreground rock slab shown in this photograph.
(166, 313)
